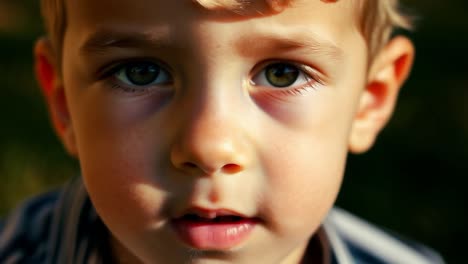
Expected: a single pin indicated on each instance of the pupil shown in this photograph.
(142, 74)
(281, 75)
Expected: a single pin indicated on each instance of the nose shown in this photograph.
(211, 140)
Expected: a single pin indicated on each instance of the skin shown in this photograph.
(217, 135)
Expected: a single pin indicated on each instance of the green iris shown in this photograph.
(281, 74)
(142, 73)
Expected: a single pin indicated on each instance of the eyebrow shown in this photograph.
(303, 39)
(247, 45)
(101, 40)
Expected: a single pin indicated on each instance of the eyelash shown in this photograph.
(313, 77)
(108, 74)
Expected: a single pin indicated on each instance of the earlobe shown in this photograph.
(50, 82)
(387, 74)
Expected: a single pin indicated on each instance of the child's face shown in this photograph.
(176, 110)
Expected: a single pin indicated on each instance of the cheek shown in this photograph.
(305, 168)
(302, 186)
(121, 185)
(120, 164)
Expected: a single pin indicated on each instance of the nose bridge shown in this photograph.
(211, 138)
(209, 116)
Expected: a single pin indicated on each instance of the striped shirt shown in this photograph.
(63, 227)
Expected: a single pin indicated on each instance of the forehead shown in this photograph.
(95, 13)
(240, 7)
(247, 6)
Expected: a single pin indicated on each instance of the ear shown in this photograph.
(49, 77)
(387, 74)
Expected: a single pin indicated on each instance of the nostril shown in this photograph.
(189, 165)
(231, 168)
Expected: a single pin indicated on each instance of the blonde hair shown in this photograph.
(378, 18)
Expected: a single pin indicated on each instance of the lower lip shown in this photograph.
(213, 235)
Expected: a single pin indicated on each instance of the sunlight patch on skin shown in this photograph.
(243, 6)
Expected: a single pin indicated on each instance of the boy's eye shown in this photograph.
(280, 75)
(142, 74)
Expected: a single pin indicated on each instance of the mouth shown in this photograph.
(218, 219)
(213, 230)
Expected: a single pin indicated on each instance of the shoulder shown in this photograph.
(56, 227)
(354, 240)
(25, 231)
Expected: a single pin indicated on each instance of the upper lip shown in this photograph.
(209, 213)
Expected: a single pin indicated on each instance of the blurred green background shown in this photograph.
(414, 180)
